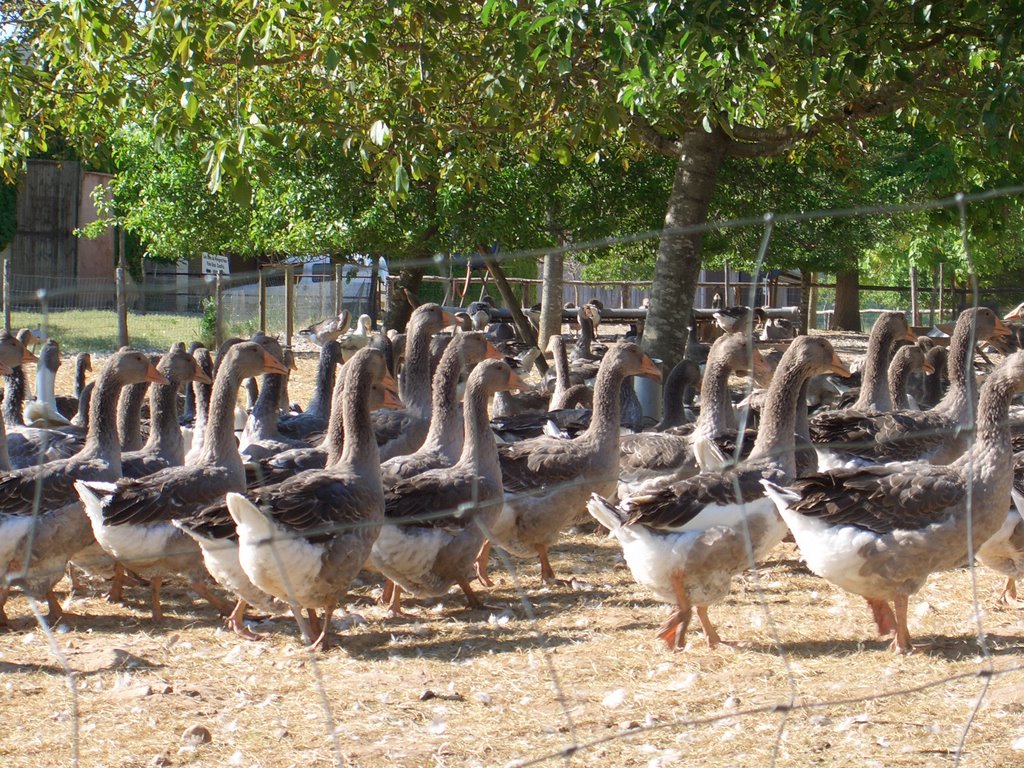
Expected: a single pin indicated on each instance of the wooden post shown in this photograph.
(7, 295)
(218, 297)
(261, 293)
(374, 291)
(624, 297)
(339, 289)
(550, 298)
(915, 311)
(942, 289)
(289, 305)
(931, 297)
(812, 302)
(122, 307)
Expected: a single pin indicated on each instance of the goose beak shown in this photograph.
(154, 376)
(272, 365)
(911, 336)
(390, 401)
(492, 353)
(28, 357)
(838, 368)
(1015, 314)
(1002, 329)
(763, 370)
(649, 369)
(928, 367)
(516, 382)
(390, 384)
(200, 375)
(447, 319)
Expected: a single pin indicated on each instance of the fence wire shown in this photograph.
(365, 694)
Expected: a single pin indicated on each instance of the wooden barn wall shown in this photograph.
(44, 244)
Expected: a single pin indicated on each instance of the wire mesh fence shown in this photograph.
(546, 672)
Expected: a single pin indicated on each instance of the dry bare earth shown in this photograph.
(544, 671)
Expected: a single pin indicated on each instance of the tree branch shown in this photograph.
(657, 141)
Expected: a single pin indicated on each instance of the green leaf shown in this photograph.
(380, 133)
(190, 103)
(331, 59)
(401, 180)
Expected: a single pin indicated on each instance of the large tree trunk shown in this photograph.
(677, 268)
(847, 313)
(805, 301)
(409, 281)
(551, 299)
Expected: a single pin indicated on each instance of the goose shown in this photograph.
(740, 319)
(133, 519)
(68, 405)
(201, 391)
(30, 446)
(318, 411)
(188, 415)
(930, 392)
(37, 542)
(686, 540)
(935, 436)
(165, 446)
(328, 330)
(43, 411)
(403, 430)
(711, 443)
(909, 359)
(548, 480)
(303, 541)
(879, 532)
(444, 442)
(1004, 551)
(12, 354)
(261, 438)
(129, 414)
(359, 336)
(435, 521)
(681, 385)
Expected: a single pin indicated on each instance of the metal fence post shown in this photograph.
(122, 307)
(289, 305)
(339, 289)
(7, 295)
(218, 297)
(261, 294)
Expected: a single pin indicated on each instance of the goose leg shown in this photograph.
(4, 592)
(472, 600)
(304, 626)
(902, 643)
(54, 612)
(883, 616)
(116, 593)
(547, 573)
(481, 564)
(154, 598)
(322, 642)
(236, 622)
(1009, 595)
(220, 605)
(673, 631)
(394, 598)
(710, 633)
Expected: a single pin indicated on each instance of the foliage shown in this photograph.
(8, 213)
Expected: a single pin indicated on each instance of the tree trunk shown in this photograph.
(677, 268)
(551, 299)
(519, 320)
(847, 314)
(805, 301)
(409, 279)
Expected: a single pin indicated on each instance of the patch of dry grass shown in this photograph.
(571, 670)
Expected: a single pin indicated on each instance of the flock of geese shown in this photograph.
(418, 452)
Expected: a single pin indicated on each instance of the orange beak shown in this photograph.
(390, 384)
(272, 365)
(1002, 329)
(838, 367)
(516, 382)
(154, 376)
(492, 353)
(390, 401)
(200, 375)
(1014, 314)
(447, 318)
(649, 369)
(911, 336)
(28, 357)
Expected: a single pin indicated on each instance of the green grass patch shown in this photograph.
(95, 330)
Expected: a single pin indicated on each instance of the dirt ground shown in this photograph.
(563, 674)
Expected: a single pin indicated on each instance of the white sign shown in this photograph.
(214, 264)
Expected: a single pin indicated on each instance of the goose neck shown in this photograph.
(164, 433)
(874, 392)
(14, 397)
(716, 413)
(101, 439)
(775, 444)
